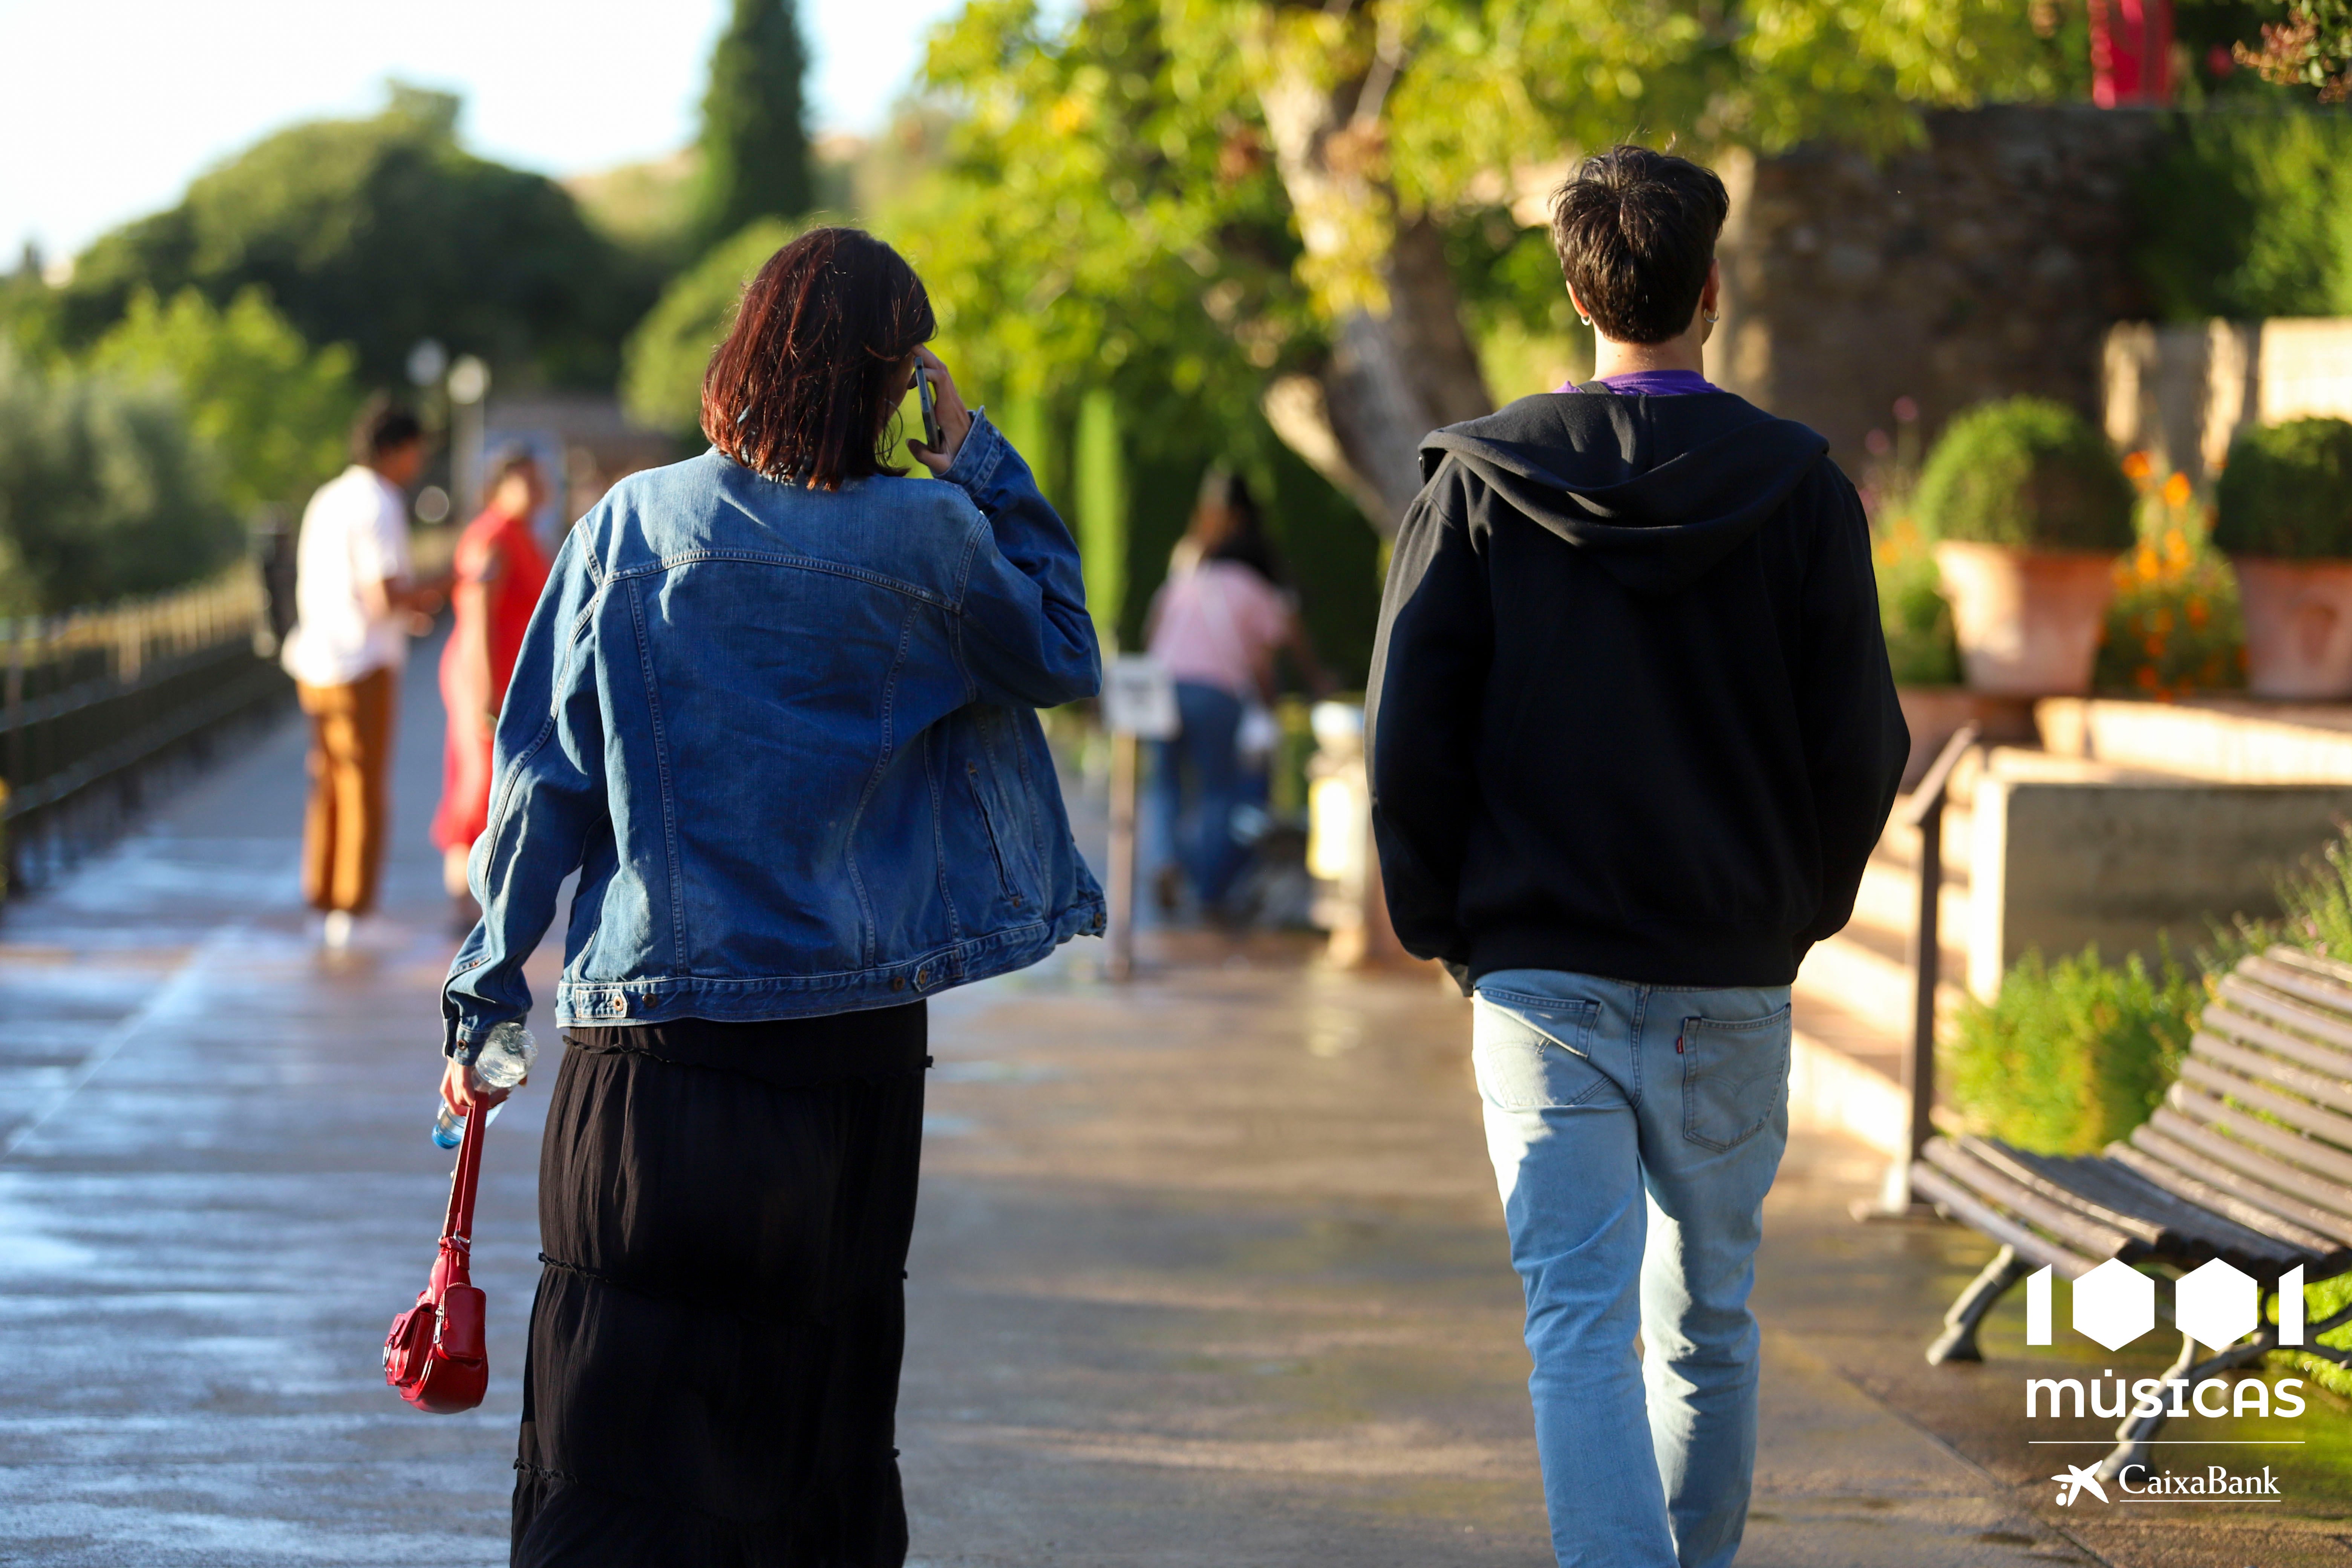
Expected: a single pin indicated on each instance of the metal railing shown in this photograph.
(90, 701)
(1924, 812)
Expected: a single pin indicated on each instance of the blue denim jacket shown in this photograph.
(788, 738)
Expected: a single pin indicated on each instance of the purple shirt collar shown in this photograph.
(1653, 382)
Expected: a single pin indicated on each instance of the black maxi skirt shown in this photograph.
(712, 1380)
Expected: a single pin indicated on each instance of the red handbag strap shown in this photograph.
(459, 1222)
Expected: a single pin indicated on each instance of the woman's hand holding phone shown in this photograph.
(954, 418)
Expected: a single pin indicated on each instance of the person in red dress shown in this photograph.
(500, 570)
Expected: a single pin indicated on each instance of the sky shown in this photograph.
(109, 107)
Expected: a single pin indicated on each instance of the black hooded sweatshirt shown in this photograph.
(1630, 713)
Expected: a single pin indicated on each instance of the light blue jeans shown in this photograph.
(1634, 1131)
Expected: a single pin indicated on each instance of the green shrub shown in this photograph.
(102, 492)
(1912, 610)
(2074, 1054)
(2028, 472)
(2287, 491)
(2245, 216)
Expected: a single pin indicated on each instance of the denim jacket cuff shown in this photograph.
(976, 461)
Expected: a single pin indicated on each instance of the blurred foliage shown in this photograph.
(2072, 1055)
(2027, 472)
(662, 365)
(103, 492)
(274, 411)
(647, 210)
(2287, 491)
(1912, 610)
(1112, 174)
(754, 146)
(379, 233)
(2248, 216)
(2311, 47)
(2174, 627)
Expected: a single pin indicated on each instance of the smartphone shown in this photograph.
(933, 439)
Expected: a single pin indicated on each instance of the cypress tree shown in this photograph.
(755, 147)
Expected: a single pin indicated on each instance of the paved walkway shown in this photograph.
(1209, 1270)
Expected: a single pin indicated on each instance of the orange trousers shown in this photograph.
(351, 764)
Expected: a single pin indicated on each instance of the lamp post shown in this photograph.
(468, 384)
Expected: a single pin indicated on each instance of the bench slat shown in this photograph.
(2068, 1224)
(2333, 970)
(2328, 998)
(2192, 1231)
(2032, 1245)
(2254, 1033)
(2284, 1179)
(2320, 1087)
(2319, 1122)
(2055, 1189)
(2188, 1175)
(2316, 1159)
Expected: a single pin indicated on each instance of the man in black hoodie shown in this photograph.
(1632, 736)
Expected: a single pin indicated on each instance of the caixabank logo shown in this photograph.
(2215, 1305)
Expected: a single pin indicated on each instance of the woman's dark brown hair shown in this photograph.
(798, 389)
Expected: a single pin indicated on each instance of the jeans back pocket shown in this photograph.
(1534, 1052)
(1735, 1075)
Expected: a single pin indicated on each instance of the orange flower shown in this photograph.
(2137, 466)
(2155, 646)
(2144, 675)
(2176, 491)
(2151, 566)
(2198, 612)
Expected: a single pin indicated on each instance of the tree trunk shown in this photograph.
(1394, 374)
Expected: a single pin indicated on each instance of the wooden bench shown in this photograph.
(2249, 1159)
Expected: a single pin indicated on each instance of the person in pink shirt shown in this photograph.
(1218, 622)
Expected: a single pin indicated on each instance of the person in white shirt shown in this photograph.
(353, 598)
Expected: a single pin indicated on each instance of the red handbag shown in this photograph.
(435, 1355)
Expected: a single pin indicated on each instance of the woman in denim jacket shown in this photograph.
(777, 710)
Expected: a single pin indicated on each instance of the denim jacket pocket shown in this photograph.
(995, 839)
(1734, 1076)
(1534, 1052)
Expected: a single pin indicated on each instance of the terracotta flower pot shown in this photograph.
(2028, 621)
(2298, 626)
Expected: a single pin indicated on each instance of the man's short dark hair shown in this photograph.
(1635, 230)
(383, 425)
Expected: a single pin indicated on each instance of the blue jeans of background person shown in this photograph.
(1204, 748)
(1634, 1131)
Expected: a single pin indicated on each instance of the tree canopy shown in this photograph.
(274, 411)
(661, 374)
(102, 491)
(1273, 203)
(755, 148)
(378, 233)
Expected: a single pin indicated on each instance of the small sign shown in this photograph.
(1139, 697)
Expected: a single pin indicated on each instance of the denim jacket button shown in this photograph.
(897, 983)
(922, 977)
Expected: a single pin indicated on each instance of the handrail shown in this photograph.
(1924, 811)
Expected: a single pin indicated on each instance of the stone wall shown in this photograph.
(1989, 261)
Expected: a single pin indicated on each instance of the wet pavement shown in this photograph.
(1210, 1267)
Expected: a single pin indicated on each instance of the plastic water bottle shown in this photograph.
(503, 1062)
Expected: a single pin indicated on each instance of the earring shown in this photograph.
(1586, 320)
(1710, 317)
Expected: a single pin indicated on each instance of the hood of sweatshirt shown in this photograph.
(1658, 488)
